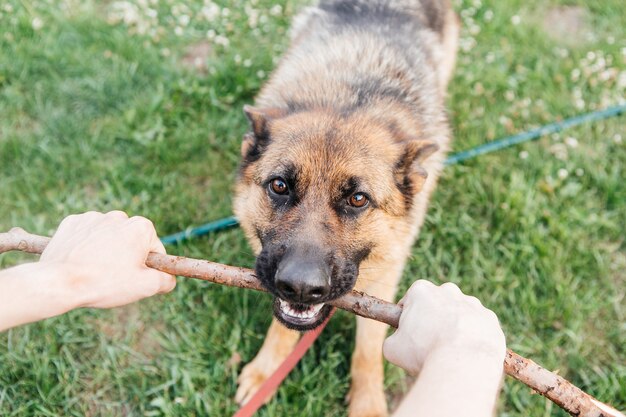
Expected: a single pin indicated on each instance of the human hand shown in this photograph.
(103, 257)
(442, 321)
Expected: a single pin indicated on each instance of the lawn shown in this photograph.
(137, 106)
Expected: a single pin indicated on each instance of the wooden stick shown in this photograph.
(552, 386)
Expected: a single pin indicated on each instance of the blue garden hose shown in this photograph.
(488, 147)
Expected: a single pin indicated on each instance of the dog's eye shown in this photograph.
(279, 186)
(358, 200)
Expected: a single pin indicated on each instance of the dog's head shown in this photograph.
(316, 194)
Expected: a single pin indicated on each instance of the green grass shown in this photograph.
(94, 115)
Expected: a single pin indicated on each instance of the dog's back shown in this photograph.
(347, 54)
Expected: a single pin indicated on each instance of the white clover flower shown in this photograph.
(523, 155)
(562, 173)
(559, 150)
(608, 74)
(210, 11)
(467, 43)
(490, 57)
(509, 95)
(184, 19)
(562, 52)
(253, 16)
(8, 8)
(222, 40)
(617, 138)
(506, 122)
(488, 16)
(276, 10)
(178, 31)
(579, 172)
(210, 34)
(247, 63)
(516, 20)
(260, 74)
(571, 142)
(36, 23)
(610, 40)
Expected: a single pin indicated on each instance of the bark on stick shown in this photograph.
(552, 386)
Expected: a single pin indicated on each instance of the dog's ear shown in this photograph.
(410, 174)
(258, 138)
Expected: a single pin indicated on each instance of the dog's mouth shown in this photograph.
(299, 316)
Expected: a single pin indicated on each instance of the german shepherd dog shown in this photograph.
(346, 143)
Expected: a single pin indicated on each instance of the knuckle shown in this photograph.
(142, 223)
(117, 213)
(492, 316)
(451, 287)
(420, 285)
(71, 219)
(473, 300)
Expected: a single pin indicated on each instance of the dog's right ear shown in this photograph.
(258, 138)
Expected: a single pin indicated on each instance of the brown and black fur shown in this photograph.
(356, 105)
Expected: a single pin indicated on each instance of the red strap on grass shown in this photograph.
(283, 370)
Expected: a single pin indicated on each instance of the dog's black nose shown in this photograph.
(302, 282)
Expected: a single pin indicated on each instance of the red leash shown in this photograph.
(283, 370)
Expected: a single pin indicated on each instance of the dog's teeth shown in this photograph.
(306, 314)
(316, 308)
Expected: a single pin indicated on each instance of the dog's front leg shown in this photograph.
(367, 393)
(278, 343)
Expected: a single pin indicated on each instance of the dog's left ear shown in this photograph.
(259, 136)
(410, 174)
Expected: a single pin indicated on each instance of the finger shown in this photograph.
(473, 301)
(79, 221)
(168, 283)
(451, 288)
(143, 230)
(164, 282)
(420, 285)
(417, 290)
(389, 347)
(156, 245)
(116, 214)
(398, 352)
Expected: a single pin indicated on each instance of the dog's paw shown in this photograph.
(367, 402)
(250, 379)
